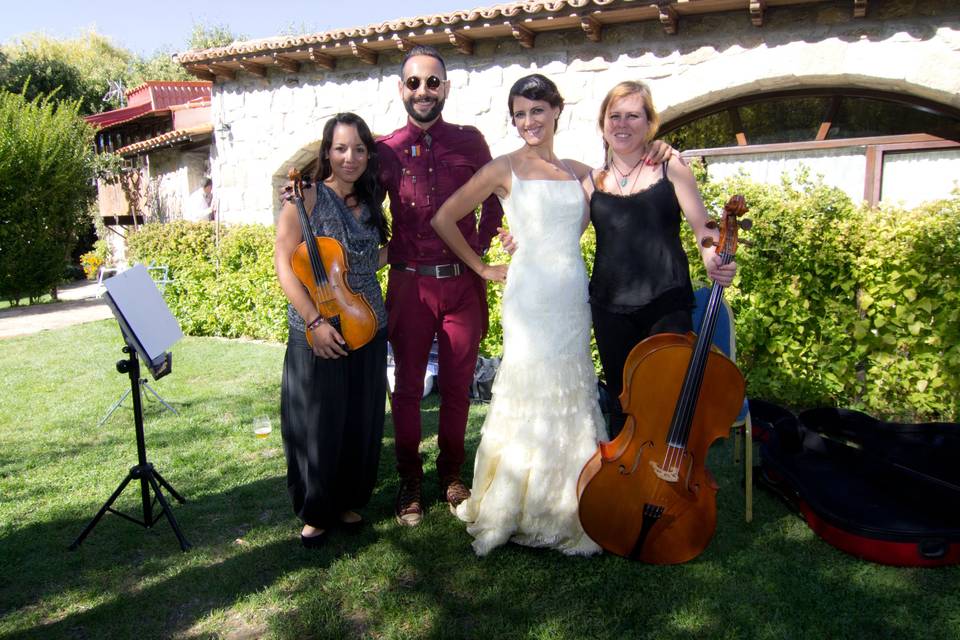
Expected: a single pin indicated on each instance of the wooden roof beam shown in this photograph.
(321, 59)
(403, 44)
(523, 35)
(255, 68)
(286, 63)
(592, 27)
(463, 44)
(757, 8)
(364, 54)
(859, 8)
(668, 17)
(221, 71)
(201, 72)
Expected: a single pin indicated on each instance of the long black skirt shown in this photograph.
(331, 418)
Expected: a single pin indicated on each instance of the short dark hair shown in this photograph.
(207, 183)
(423, 50)
(536, 87)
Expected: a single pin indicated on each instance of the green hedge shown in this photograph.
(846, 306)
(834, 304)
(231, 291)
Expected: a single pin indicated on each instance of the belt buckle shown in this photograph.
(454, 268)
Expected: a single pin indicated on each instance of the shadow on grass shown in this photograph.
(247, 576)
(131, 577)
(771, 578)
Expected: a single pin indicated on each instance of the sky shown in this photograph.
(146, 27)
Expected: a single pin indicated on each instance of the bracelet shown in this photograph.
(316, 323)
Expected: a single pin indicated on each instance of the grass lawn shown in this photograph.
(248, 577)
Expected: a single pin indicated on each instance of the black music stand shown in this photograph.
(149, 329)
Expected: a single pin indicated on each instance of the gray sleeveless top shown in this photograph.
(361, 240)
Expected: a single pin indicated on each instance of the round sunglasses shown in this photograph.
(432, 82)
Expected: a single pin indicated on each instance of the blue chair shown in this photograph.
(724, 338)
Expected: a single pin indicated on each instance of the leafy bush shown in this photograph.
(231, 291)
(845, 306)
(46, 160)
(834, 304)
(91, 261)
(907, 333)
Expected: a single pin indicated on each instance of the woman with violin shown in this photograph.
(640, 285)
(333, 392)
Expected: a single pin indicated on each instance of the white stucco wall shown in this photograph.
(841, 168)
(265, 125)
(173, 176)
(912, 178)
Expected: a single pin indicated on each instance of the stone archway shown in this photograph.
(304, 158)
(927, 69)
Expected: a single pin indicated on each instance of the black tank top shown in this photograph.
(639, 259)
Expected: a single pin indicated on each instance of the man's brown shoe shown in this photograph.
(409, 507)
(454, 492)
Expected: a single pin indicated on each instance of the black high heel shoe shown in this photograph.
(352, 527)
(314, 541)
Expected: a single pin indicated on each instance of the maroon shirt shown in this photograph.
(419, 170)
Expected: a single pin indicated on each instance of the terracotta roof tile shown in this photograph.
(392, 26)
(167, 139)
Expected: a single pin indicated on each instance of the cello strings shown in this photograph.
(683, 417)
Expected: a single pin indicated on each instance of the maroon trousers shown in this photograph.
(455, 310)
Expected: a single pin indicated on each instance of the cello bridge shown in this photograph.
(671, 474)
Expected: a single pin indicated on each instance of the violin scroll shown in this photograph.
(298, 182)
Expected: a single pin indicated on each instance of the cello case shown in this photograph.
(883, 491)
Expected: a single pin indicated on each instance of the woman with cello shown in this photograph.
(640, 285)
(333, 392)
(647, 494)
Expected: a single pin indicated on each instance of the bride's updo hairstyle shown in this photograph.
(536, 87)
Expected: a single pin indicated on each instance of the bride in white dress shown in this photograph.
(544, 421)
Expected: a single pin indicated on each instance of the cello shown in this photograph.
(647, 494)
(320, 263)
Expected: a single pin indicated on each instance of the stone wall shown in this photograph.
(265, 125)
(173, 175)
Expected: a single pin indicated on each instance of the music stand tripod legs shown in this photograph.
(116, 405)
(150, 479)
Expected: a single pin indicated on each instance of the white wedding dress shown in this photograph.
(544, 421)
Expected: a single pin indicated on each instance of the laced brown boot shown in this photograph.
(454, 492)
(409, 507)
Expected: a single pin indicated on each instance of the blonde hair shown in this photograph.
(622, 90)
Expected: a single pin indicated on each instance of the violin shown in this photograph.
(320, 263)
(647, 494)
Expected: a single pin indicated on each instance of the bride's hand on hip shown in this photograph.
(506, 240)
(494, 272)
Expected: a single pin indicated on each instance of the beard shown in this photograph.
(429, 116)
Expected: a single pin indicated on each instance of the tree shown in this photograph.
(33, 75)
(93, 57)
(46, 166)
(207, 37)
(160, 66)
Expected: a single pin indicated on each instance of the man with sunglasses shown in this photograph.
(430, 292)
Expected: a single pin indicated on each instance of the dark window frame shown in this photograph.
(875, 147)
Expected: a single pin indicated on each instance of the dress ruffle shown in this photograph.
(541, 428)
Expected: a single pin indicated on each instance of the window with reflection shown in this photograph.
(808, 115)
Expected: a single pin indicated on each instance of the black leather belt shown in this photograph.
(432, 270)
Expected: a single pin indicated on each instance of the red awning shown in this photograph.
(111, 118)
